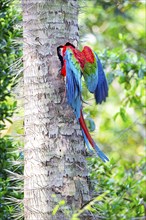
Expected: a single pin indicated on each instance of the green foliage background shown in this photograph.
(115, 30)
(9, 53)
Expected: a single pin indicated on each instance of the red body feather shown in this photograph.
(86, 55)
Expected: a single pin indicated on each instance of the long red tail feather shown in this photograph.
(85, 129)
(91, 141)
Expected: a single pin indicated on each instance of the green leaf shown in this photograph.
(123, 114)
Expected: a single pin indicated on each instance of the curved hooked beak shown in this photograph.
(60, 54)
(60, 50)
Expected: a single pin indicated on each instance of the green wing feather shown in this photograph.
(90, 69)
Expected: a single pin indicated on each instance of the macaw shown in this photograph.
(74, 64)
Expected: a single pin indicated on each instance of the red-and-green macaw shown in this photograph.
(74, 64)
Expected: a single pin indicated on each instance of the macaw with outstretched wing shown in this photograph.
(74, 64)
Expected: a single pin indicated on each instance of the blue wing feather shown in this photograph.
(91, 81)
(101, 91)
(73, 83)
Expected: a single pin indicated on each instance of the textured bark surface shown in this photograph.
(54, 149)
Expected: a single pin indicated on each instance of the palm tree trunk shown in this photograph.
(54, 152)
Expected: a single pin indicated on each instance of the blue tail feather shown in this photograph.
(100, 153)
(102, 156)
(87, 142)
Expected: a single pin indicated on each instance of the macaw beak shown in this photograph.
(60, 54)
(59, 50)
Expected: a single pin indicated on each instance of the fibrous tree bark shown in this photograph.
(54, 152)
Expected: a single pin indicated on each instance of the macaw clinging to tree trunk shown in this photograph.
(74, 65)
